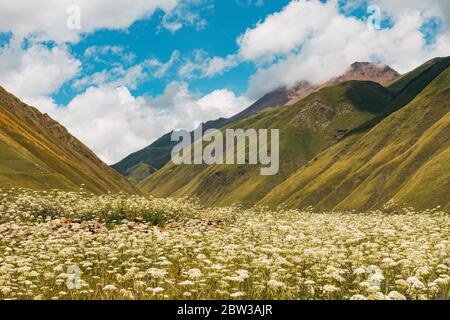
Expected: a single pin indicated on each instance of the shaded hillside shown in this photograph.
(404, 157)
(37, 152)
(306, 129)
(142, 163)
(139, 165)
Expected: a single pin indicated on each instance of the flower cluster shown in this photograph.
(76, 246)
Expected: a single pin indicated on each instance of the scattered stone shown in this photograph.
(139, 220)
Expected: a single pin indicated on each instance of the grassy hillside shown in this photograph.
(142, 163)
(37, 152)
(139, 165)
(306, 129)
(404, 157)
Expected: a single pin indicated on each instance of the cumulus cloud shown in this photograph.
(431, 8)
(117, 75)
(285, 30)
(226, 101)
(114, 123)
(307, 40)
(105, 115)
(187, 12)
(203, 66)
(36, 72)
(104, 54)
(47, 20)
(313, 41)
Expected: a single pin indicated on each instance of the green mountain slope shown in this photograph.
(306, 128)
(404, 157)
(152, 158)
(139, 165)
(37, 152)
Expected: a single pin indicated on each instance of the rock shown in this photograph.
(139, 220)
(75, 226)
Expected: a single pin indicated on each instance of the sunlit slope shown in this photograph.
(37, 152)
(306, 129)
(404, 157)
(141, 164)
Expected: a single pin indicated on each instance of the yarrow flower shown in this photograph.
(275, 284)
(394, 295)
(237, 294)
(109, 287)
(194, 273)
(156, 273)
(186, 283)
(131, 247)
(328, 288)
(155, 291)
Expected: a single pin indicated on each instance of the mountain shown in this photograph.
(306, 128)
(140, 164)
(402, 156)
(37, 152)
(361, 71)
(354, 145)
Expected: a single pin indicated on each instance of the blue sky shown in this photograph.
(135, 70)
(226, 20)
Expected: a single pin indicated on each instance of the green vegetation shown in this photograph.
(404, 158)
(366, 169)
(306, 129)
(78, 246)
(141, 164)
(37, 152)
(355, 145)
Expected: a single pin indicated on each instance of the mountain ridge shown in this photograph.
(414, 119)
(388, 161)
(155, 156)
(38, 152)
(306, 128)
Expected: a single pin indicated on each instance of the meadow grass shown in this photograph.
(57, 245)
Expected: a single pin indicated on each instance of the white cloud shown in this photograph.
(108, 120)
(187, 12)
(285, 30)
(99, 54)
(36, 72)
(256, 3)
(130, 77)
(105, 116)
(114, 123)
(431, 8)
(307, 40)
(312, 41)
(47, 20)
(203, 66)
(226, 101)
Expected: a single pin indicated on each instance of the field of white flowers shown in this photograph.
(59, 245)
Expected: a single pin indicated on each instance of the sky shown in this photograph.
(119, 74)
